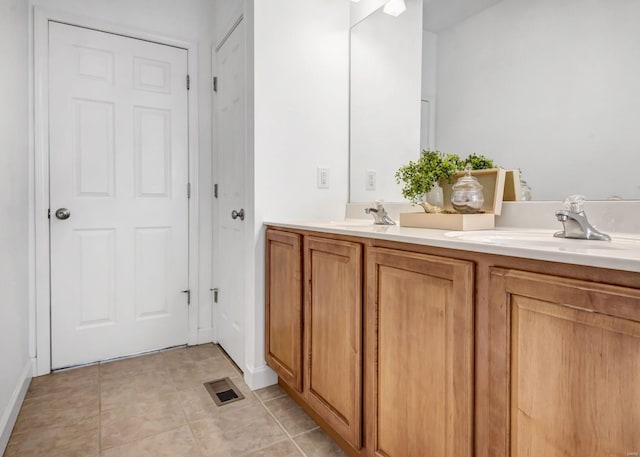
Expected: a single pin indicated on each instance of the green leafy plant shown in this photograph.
(478, 162)
(419, 177)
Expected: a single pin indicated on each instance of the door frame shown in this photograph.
(39, 259)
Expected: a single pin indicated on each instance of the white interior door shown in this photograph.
(118, 145)
(230, 226)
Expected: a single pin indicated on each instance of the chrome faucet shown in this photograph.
(380, 214)
(575, 222)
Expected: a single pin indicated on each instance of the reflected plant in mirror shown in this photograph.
(548, 86)
(433, 167)
(419, 177)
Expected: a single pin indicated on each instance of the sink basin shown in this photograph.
(543, 240)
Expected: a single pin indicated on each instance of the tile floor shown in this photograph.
(156, 405)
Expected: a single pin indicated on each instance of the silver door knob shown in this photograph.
(63, 213)
(237, 214)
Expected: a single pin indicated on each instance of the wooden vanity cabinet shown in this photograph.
(314, 326)
(565, 367)
(333, 334)
(284, 306)
(403, 350)
(419, 362)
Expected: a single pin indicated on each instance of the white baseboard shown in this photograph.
(257, 378)
(205, 336)
(10, 414)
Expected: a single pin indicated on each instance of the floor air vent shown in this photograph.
(223, 391)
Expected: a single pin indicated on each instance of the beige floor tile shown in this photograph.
(156, 405)
(175, 358)
(290, 415)
(237, 433)
(151, 363)
(281, 449)
(143, 387)
(198, 404)
(174, 443)
(318, 444)
(193, 373)
(78, 440)
(59, 409)
(128, 423)
(63, 381)
(233, 363)
(270, 392)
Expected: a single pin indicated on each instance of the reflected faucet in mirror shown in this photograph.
(380, 215)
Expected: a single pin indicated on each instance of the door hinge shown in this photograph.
(215, 84)
(215, 294)
(188, 82)
(188, 190)
(188, 292)
(49, 213)
(215, 191)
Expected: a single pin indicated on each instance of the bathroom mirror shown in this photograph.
(547, 86)
(386, 53)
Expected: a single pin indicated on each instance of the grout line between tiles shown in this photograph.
(267, 400)
(253, 451)
(184, 412)
(280, 425)
(305, 432)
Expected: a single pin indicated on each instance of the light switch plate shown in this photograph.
(370, 183)
(323, 177)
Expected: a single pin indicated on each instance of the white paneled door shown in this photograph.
(230, 222)
(118, 146)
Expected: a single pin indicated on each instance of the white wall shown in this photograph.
(185, 20)
(14, 204)
(429, 99)
(429, 65)
(360, 10)
(550, 87)
(301, 59)
(442, 14)
(386, 55)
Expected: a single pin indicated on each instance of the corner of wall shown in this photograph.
(257, 378)
(10, 415)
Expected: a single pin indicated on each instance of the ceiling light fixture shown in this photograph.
(395, 7)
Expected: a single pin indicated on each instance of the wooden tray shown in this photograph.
(493, 182)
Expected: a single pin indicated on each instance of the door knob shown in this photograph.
(63, 213)
(237, 214)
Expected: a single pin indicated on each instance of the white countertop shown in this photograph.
(622, 253)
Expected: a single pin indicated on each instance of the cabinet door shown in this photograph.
(419, 355)
(284, 306)
(565, 367)
(333, 329)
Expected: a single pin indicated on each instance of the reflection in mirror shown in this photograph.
(385, 99)
(547, 86)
